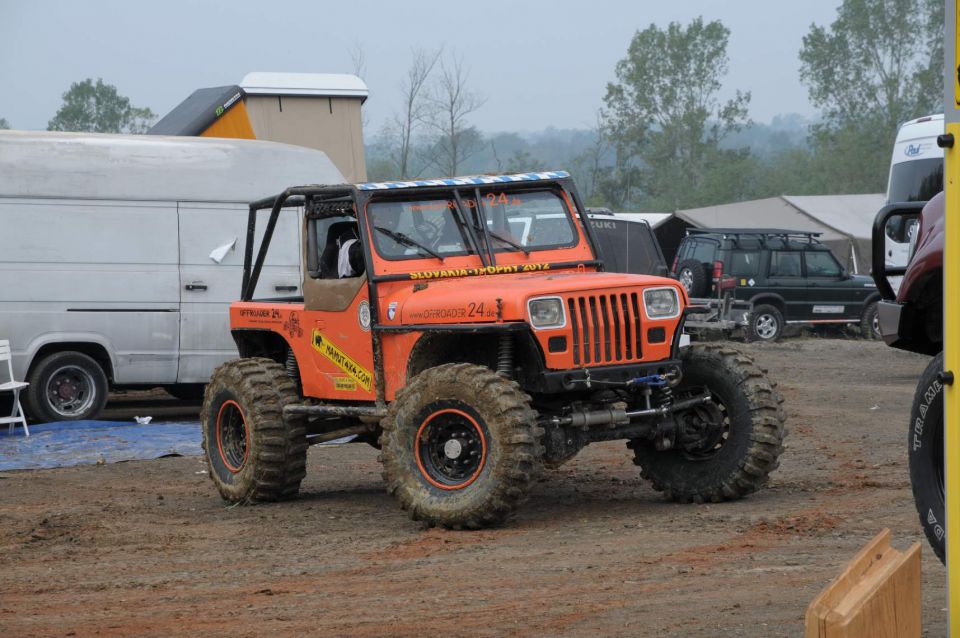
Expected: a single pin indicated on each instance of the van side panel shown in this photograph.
(92, 271)
(207, 288)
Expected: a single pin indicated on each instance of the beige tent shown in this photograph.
(844, 221)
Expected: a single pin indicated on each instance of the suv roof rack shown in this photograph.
(753, 231)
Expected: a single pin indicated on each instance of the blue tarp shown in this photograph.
(83, 442)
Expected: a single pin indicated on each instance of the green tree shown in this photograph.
(665, 117)
(878, 65)
(523, 162)
(4, 124)
(451, 102)
(98, 108)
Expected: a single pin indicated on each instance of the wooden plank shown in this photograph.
(876, 596)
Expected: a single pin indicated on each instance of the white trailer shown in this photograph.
(119, 257)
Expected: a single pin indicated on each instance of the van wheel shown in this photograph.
(461, 446)
(766, 324)
(66, 386)
(692, 275)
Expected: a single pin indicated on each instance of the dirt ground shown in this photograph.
(148, 548)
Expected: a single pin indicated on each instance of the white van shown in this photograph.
(119, 257)
(916, 175)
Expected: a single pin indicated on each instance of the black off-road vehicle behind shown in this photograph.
(782, 276)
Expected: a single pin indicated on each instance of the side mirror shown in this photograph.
(894, 232)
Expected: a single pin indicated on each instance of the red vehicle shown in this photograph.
(912, 319)
(466, 327)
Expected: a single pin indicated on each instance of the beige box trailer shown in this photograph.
(315, 110)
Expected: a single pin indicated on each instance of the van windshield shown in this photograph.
(915, 180)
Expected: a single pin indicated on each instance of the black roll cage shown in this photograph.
(308, 196)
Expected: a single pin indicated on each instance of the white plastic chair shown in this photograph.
(14, 387)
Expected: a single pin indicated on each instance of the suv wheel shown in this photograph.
(461, 446)
(870, 323)
(766, 323)
(693, 276)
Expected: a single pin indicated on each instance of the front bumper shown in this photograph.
(888, 315)
(595, 378)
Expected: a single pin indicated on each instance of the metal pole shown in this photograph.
(951, 313)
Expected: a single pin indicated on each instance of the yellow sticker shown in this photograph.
(474, 272)
(344, 383)
(743, 282)
(340, 359)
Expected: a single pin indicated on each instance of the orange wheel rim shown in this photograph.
(232, 436)
(447, 441)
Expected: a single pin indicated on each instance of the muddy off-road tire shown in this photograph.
(925, 451)
(460, 447)
(753, 432)
(254, 454)
(870, 323)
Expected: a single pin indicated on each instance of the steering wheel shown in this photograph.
(429, 231)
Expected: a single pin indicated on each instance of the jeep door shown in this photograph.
(338, 362)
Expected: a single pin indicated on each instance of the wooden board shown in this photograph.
(876, 596)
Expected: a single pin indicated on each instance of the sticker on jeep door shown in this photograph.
(340, 359)
(827, 310)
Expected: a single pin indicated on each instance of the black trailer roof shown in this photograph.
(196, 113)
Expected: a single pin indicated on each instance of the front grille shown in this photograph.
(606, 328)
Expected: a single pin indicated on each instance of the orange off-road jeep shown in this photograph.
(466, 327)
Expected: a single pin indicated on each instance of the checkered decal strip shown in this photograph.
(478, 180)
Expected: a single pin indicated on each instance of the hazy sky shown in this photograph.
(538, 64)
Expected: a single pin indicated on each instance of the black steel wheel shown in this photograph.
(451, 444)
(254, 453)
(728, 448)
(460, 446)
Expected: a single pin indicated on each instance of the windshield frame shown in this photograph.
(482, 245)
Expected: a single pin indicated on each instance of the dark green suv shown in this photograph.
(788, 276)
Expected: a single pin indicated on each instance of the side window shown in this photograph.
(341, 254)
(784, 263)
(820, 263)
(704, 251)
(744, 263)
